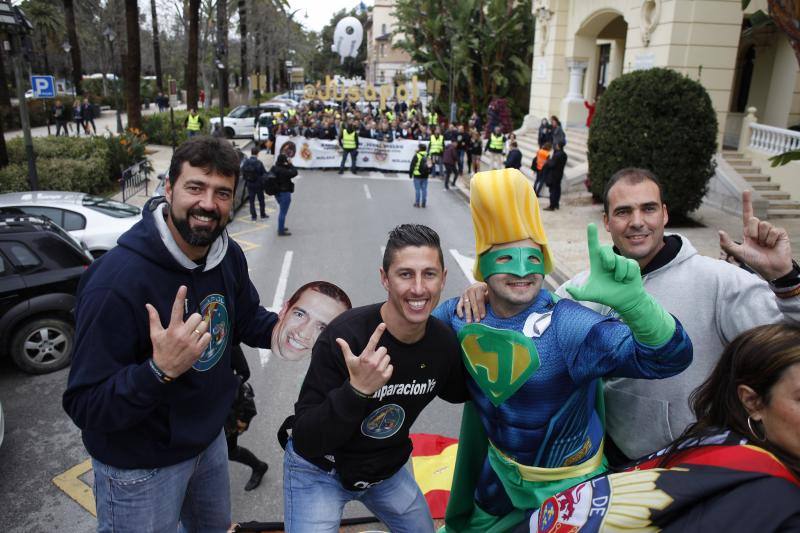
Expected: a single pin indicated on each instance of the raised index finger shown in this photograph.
(375, 337)
(176, 317)
(594, 246)
(747, 208)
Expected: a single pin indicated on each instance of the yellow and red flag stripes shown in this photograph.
(434, 460)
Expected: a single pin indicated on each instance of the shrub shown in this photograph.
(659, 120)
(125, 150)
(158, 128)
(87, 175)
(37, 113)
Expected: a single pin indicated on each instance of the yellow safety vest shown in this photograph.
(348, 140)
(292, 112)
(412, 112)
(437, 144)
(496, 142)
(420, 157)
(389, 116)
(193, 123)
(433, 119)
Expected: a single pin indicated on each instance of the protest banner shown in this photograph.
(392, 156)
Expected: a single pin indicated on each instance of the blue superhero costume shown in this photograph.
(551, 418)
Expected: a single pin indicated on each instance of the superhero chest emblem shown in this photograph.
(499, 360)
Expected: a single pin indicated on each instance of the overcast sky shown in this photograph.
(320, 11)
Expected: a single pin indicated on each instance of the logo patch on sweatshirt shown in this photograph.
(214, 312)
(383, 422)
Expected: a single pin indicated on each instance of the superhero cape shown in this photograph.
(717, 483)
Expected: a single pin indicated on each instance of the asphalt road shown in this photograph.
(339, 226)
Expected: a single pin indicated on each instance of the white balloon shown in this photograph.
(347, 37)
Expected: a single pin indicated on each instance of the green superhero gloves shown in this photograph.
(616, 281)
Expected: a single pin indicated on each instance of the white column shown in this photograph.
(576, 69)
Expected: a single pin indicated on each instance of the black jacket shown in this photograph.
(554, 167)
(514, 159)
(284, 175)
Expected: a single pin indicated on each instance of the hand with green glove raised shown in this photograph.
(616, 281)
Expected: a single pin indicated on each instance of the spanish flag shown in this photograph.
(433, 461)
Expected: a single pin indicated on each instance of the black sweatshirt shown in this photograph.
(366, 439)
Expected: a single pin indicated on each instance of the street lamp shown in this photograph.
(289, 66)
(109, 34)
(67, 47)
(15, 24)
(221, 69)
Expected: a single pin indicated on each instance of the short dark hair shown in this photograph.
(209, 153)
(254, 150)
(421, 147)
(323, 287)
(406, 235)
(633, 176)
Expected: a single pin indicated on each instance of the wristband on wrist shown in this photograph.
(358, 392)
(789, 280)
(162, 377)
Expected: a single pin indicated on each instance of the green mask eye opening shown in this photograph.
(517, 261)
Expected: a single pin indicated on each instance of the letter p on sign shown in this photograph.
(43, 86)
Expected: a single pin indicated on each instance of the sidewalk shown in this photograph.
(566, 230)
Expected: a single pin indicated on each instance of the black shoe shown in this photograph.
(252, 219)
(341, 172)
(416, 204)
(255, 477)
(284, 233)
(550, 208)
(354, 171)
(423, 204)
(264, 215)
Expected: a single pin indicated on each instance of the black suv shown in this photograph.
(40, 266)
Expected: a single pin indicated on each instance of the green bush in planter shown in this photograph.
(660, 120)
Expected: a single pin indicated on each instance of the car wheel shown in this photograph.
(43, 345)
(229, 133)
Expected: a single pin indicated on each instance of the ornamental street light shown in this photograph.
(289, 66)
(16, 25)
(218, 62)
(110, 36)
(67, 47)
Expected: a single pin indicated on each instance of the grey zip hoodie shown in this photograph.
(715, 301)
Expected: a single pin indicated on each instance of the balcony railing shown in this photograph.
(773, 140)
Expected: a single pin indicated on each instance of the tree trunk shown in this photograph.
(5, 108)
(72, 36)
(191, 64)
(156, 47)
(243, 43)
(133, 65)
(44, 54)
(222, 48)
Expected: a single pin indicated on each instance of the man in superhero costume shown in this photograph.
(536, 422)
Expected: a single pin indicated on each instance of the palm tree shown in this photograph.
(133, 64)
(191, 63)
(156, 46)
(222, 48)
(47, 23)
(72, 35)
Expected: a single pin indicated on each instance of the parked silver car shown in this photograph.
(97, 222)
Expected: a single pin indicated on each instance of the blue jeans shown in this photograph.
(195, 492)
(420, 191)
(313, 499)
(438, 168)
(283, 199)
(461, 161)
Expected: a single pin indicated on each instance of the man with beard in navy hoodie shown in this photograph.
(151, 382)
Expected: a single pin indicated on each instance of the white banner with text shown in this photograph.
(394, 156)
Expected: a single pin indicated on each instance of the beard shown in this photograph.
(197, 237)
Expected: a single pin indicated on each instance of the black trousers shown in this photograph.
(450, 170)
(252, 194)
(240, 454)
(555, 193)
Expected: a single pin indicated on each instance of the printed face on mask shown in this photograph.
(300, 324)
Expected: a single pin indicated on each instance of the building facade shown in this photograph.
(384, 59)
(580, 46)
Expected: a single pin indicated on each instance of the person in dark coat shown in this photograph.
(254, 175)
(450, 160)
(514, 157)
(284, 172)
(554, 173)
(545, 132)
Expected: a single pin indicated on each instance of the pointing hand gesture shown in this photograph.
(614, 280)
(180, 345)
(371, 370)
(765, 248)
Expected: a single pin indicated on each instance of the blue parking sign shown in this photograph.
(43, 86)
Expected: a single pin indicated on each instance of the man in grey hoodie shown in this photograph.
(713, 299)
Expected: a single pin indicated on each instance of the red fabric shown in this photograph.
(426, 444)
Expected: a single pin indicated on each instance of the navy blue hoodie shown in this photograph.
(128, 417)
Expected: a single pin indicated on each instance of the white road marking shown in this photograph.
(366, 191)
(373, 176)
(465, 263)
(277, 301)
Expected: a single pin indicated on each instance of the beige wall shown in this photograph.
(391, 59)
(698, 38)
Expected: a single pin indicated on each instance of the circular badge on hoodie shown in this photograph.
(383, 422)
(215, 313)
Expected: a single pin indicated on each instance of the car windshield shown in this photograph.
(110, 207)
(265, 120)
(237, 112)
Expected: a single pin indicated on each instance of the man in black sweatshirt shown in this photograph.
(151, 382)
(372, 372)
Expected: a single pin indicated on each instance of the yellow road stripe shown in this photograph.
(247, 245)
(70, 483)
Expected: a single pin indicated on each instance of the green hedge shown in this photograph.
(158, 128)
(660, 120)
(36, 113)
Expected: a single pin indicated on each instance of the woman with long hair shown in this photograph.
(736, 469)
